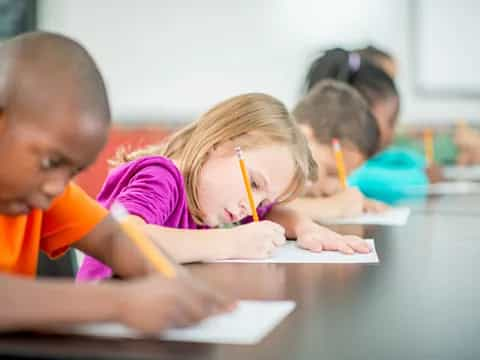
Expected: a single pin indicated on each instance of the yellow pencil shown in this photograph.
(342, 174)
(246, 181)
(428, 145)
(145, 245)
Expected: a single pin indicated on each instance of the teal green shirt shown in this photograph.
(390, 175)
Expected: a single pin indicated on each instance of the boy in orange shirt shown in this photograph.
(54, 120)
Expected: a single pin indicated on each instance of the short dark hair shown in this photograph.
(336, 110)
(56, 60)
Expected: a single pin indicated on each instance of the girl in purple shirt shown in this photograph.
(193, 181)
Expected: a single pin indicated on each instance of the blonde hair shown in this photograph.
(251, 121)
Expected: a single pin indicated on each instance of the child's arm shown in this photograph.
(26, 304)
(345, 203)
(312, 236)
(254, 240)
(466, 137)
(350, 202)
(434, 173)
(107, 243)
(187, 246)
(149, 305)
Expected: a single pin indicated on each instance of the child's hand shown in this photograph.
(468, 156)
(468, 143)
(256, 240)
(156, 303)
(352, 202)
(434, 173)
(317, 238)
(349, 202)
(328, 186)
(466, 137)
(374, 206)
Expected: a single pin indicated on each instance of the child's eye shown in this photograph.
(263, 203)
(253, 184)
(76, 171)
(48, 163)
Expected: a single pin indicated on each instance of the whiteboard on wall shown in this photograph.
(447, 47)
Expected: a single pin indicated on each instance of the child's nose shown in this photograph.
(54, 186)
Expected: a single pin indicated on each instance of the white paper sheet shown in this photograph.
(446, 188)
(462, 172)
(248, 324)
(291, 253)
(454, 188)
(397, 216)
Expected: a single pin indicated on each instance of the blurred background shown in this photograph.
(170, 60)
(166, 62)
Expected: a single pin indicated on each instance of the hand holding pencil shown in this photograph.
(169, 298)
(140, 239)
(259, 239)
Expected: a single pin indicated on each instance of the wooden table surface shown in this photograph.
(420, 302)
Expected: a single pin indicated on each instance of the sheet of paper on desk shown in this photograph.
(397, 216)
(248, 324)
(454, 188)
(446, 188)
(291, 253)
(462, 172)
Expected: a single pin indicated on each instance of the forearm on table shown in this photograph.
(109, 244)
(26, 304)
(315, 208)
(192, 245)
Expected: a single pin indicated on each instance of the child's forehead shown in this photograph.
(50, 93)
(55, 111)
(272, 161)
(37, 101)
(269, 152)
(78, 153)
(67, 133)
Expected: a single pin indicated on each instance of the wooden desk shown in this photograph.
(421, 302)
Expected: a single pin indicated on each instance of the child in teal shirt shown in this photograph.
(391, 175)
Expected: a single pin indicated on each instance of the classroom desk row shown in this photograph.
(461, 205)
(420, 302)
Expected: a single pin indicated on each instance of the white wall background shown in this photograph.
(172, 59)
(452, 63)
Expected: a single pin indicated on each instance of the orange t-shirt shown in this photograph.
(71, 216)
